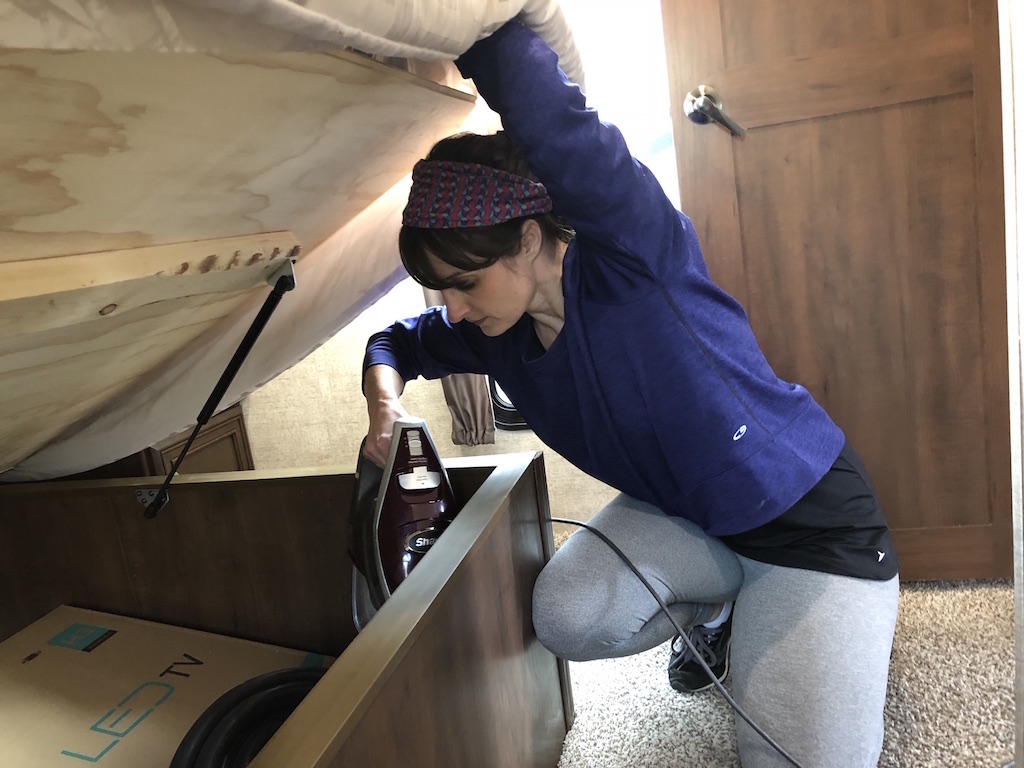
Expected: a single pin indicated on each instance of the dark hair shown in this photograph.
(471, 248)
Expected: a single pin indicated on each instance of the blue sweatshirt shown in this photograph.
(656, 384)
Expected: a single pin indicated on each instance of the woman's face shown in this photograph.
(493, 298)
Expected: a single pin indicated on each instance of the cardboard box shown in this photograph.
(81, 688)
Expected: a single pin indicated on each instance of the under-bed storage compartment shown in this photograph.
(449, 671)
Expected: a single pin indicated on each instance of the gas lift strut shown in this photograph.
(283, 281)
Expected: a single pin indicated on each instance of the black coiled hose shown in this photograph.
(232, 731)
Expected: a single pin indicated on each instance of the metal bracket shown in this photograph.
(287, 268)
(145, 496)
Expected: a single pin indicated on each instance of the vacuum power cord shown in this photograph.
(232, 731)
(682, 633)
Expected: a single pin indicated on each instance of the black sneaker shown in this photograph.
(685, 673)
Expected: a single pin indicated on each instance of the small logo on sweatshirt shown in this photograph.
(739, 433)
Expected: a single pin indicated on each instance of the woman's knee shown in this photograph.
(567, 615)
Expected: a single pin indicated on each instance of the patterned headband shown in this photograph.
(449, 195)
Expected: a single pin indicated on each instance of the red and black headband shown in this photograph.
(450, 195)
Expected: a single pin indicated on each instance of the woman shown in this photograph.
(585, 295)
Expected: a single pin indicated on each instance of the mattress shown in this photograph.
(414, 29)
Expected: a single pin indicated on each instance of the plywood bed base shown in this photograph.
(448, 673)
(62, 291)
(96, 324)
(108, 150)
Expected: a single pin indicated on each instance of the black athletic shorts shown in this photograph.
(838, 528)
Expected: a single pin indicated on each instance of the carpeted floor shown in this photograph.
(950, 694)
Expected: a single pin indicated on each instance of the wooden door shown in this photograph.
(860, 222)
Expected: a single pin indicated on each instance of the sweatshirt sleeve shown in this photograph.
(592, 178)
(427, 346)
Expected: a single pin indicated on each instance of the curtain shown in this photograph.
(468, 397)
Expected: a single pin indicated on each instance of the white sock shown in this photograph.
(722, 617)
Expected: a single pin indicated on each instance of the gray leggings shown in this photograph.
(810, 650)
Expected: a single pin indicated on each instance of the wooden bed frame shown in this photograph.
(448, 673)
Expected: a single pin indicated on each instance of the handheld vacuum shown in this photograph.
(397, 514)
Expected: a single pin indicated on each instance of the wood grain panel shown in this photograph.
(76, 331)
(107, 158)
(960, 552)
(766, 30)
(992, 255)
(871, 258)
(222, 445)
(50, 380)
(492, 703)
(704, 156)
(62, 291)
(264, 560)
(885, 332)
(107, 150)
(484, 631)
(247, 554)
(449, 671)
(863, 76)
(57, 549)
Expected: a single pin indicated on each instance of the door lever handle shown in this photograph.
(703, 106)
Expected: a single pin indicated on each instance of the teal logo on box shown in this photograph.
(82, 637)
